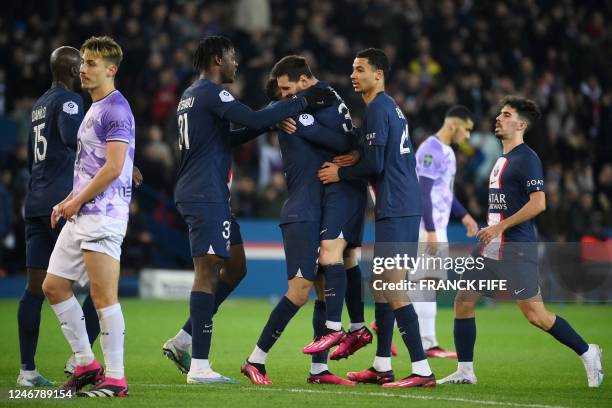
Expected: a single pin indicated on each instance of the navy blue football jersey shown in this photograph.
(397, 186)
(338, 119)
(204, 114)
(56, 117)
(301, 162)
(514, 177)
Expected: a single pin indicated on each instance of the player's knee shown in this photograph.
(463, 309)
(35, 288)
(236, 275)
(206, 284)
(101, 296)
(49, 289)
(298, 298)
(330, 253)
(54, 291)
(351, 257)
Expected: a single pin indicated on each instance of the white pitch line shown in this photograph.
(370, 394)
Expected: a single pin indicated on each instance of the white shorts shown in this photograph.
(431, 273)
(97, 233)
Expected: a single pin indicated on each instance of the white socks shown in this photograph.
(336, 326)
(318, 368)
(70, 315)
(182, 340)
(427, 322)
(356, 326)
(466, 366)
(112, 333)
(258, 356)
(199, 364)
(421, 368)
(382, 363)
(28, 374)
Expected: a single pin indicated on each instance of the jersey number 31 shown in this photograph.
(183, 125)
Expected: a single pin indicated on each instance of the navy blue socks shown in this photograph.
(564, 333)
(384, 323)
(318, 324)
(278, 320)
(335, 289)
(201, 306)
(28, 319)
(353, 297)
(465, 339)
(408, 325)
(92, 321)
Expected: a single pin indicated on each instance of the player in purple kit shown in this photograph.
(56, 117)
(97, 210)
(436, 168)
(516, 197)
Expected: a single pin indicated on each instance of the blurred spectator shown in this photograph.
(441, 53)
(272, 198)
(270, 159)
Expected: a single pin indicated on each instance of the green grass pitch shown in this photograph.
(516, 364)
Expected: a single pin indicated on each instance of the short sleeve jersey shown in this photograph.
(514, 177)
(108, 120)
(397, 187)
(436, 161)
(56, 117)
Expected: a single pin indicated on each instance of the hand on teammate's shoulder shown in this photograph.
(317, 98)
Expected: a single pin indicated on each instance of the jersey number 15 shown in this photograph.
(38, 140)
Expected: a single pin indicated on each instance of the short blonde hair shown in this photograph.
(103, 47)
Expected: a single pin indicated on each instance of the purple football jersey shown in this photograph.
(436, 161)
(107, 120)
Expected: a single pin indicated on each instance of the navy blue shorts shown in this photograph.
(522, 278)
(301, 242)
(40, 240)
(210, 227)
(235, 236)
(343, 216)
(396, 235)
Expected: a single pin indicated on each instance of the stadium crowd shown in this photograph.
(442, 53)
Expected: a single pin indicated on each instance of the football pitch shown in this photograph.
(517, 365)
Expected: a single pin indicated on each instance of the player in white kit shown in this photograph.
(89, 246)
(436, 168)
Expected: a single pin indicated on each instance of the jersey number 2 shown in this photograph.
(183, 125)
(404, 148)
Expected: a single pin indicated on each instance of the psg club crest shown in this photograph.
(495, 171)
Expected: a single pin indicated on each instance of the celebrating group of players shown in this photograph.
(328, 165)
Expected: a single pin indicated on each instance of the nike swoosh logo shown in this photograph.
(516, 292)
(323, 230)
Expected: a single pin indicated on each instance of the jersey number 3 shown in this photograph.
(183, 125)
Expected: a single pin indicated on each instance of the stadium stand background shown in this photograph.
(442, 53)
